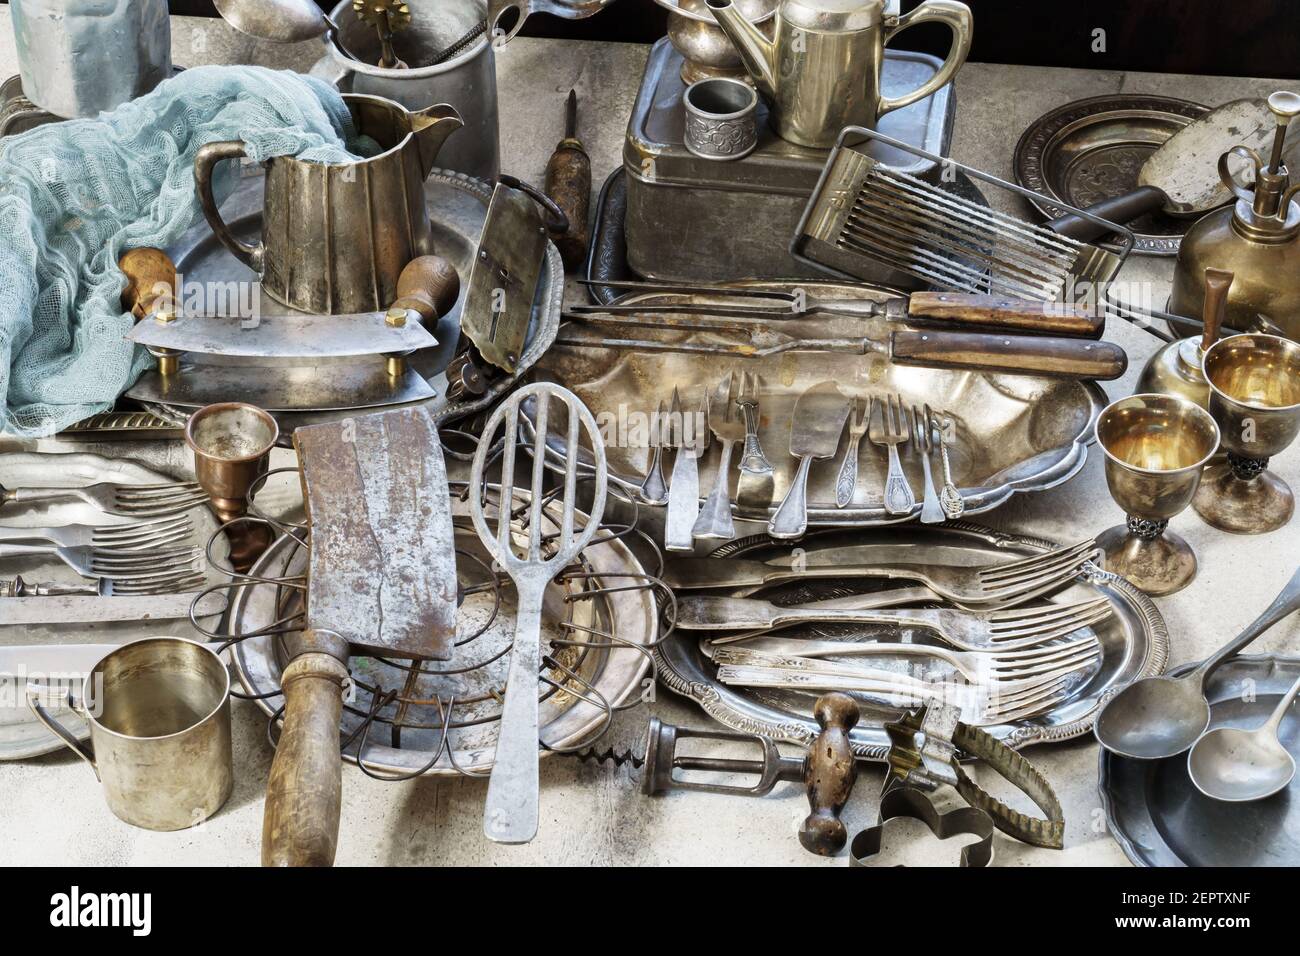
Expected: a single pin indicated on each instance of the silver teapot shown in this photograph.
(822, 70)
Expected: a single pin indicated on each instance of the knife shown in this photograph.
(815, 427)
(87, 609)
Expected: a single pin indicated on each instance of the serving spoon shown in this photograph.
(1159, 717)
(1237, 766)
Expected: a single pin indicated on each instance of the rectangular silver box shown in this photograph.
(692, 219)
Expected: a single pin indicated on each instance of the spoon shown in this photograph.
(1237, 765)
(280, 21)
(1160, 717)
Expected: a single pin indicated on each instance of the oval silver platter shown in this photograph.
(457, 207)
(566, 720)
(1160, 819)
(1013, 433)
(1134, 640)
(21, 735)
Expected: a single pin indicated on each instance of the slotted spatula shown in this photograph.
(512, 800)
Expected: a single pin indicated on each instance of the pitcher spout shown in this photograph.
(757, 52)
(431, 126)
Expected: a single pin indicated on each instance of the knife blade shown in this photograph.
(87, 609)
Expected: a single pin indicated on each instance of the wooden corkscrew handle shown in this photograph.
(150, 275)
(829, 774)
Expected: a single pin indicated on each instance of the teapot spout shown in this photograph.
(431, 126)
(757, 52)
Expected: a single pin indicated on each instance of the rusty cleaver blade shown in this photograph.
(383, 562)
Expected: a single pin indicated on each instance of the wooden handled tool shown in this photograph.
(150, 276)
(382, 580)
(568, 184)
(430, 286)
(830, 770)
(1010, 354)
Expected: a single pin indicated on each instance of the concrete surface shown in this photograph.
(54, 813)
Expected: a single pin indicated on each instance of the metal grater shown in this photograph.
(864, 213)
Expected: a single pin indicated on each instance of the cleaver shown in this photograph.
(381, 581)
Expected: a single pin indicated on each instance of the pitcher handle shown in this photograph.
(957, 17)
(205, 160)
(56, 728)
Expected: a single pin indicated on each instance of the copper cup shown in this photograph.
(1255, 397)
(1156, 447)
(232, 445)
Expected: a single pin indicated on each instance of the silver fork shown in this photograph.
(847, 482)
(931, 509)
(754, 487)
(715, 519)
(979, 705)
(950, 498)
(1007, 629)
(136, 536)
(971, 588)
(891, 432)
(123, 501)
(988, 668)
(134, 566)
(684, 491)
(654, 490)
(177, 581)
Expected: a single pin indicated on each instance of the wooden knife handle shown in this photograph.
(998, 312)
(150, 275)
(1012, 354)
(300, 822)
(829, 774)
(429, 285)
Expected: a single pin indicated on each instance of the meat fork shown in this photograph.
(890, 429)
(136, 536)
(123, 501)
(132, 566)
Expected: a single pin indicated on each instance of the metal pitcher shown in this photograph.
(821, 73)
(159, 717)
(336, 236)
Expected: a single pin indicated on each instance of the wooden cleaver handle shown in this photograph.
(1013, 315)
(150, 275)
(430, 286)
(1012, 354)
(300, 822)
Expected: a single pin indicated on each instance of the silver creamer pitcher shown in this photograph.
(336, 236)
(821, 73)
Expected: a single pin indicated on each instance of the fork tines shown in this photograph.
(156, 500)
(140, 566)
(1028, 572)
(167, 583)
(1047, 621)
(143, 534)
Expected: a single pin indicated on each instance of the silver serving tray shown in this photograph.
(1160, 819)
(566, 721)
(457, 208)
(1134, 640)
(1014, 433)
(21, 735)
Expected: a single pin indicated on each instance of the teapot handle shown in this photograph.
(205, 160)
(957, 17)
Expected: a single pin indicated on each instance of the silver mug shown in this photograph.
(159, 716)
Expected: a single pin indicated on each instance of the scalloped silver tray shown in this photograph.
(1013, 433)
(1160, 819)
(1135, 642)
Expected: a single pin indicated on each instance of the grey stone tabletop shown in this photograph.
(55, 814)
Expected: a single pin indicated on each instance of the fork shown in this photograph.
(755, 484)
(134, 566)
(177, 581)
(891, 431)
(971, 588)
(654, 491)
(950, 498)
(120, 537)
(715, 519)
(1008, 629)
(847, 482)
(123, 501)
(979, 707)
(931, 509)
(988, 668)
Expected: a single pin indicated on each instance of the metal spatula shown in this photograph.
(512, 800)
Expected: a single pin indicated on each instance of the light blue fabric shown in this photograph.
(76, 195)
